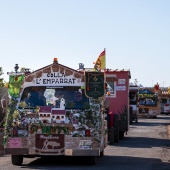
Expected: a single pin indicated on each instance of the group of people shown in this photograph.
(34, 96)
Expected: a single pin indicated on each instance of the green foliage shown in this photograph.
(2, 82)
(16, 114)
(9, 118)
(14, 86)
(22, 105)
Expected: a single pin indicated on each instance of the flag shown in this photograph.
(14, 85)
(101, 61)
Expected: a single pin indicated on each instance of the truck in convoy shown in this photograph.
(55, 111)
(165, 100)
(149, 101)
(117, 103)
(4, 99)
(133, 92)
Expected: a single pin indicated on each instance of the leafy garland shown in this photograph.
(9, 119)
(86, 119)
(13, 114)
(48, 129)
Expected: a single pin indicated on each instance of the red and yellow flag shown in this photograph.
(101, 61)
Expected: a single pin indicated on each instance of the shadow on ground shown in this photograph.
(102, 163)
(142, 142)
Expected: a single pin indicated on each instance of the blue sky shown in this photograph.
(135, 33)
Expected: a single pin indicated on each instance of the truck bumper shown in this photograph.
(17, 151)
(67, 152)
(82, 152)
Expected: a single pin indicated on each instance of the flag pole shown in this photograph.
(105, 56)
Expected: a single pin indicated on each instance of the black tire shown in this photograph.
(130, 122)
(17, 159)
(121, 135)
(111, 137)
(91, 160)
(102, 153)
(116, 136)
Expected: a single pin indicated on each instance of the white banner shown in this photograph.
(120, 88)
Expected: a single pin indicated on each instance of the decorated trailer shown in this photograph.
(117, 99)
(55, 111)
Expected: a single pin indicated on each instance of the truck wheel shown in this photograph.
(111, 138)
(102, 153)
(136, 120)
(17, 159)
(116, 136)
(91, 160)
(121, 135)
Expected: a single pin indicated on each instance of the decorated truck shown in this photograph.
(149, 104)
(133, 92)
(165, 100)
(55, 111)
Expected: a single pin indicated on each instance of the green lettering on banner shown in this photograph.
(146, 95)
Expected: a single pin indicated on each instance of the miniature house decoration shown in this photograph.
(45, 114)
(58, 114)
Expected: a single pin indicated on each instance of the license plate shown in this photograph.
(85, 144)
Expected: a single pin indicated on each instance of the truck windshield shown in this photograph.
(73, 97)
(147, 101)
(133, 98)
(147, 98)
(163, 100)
